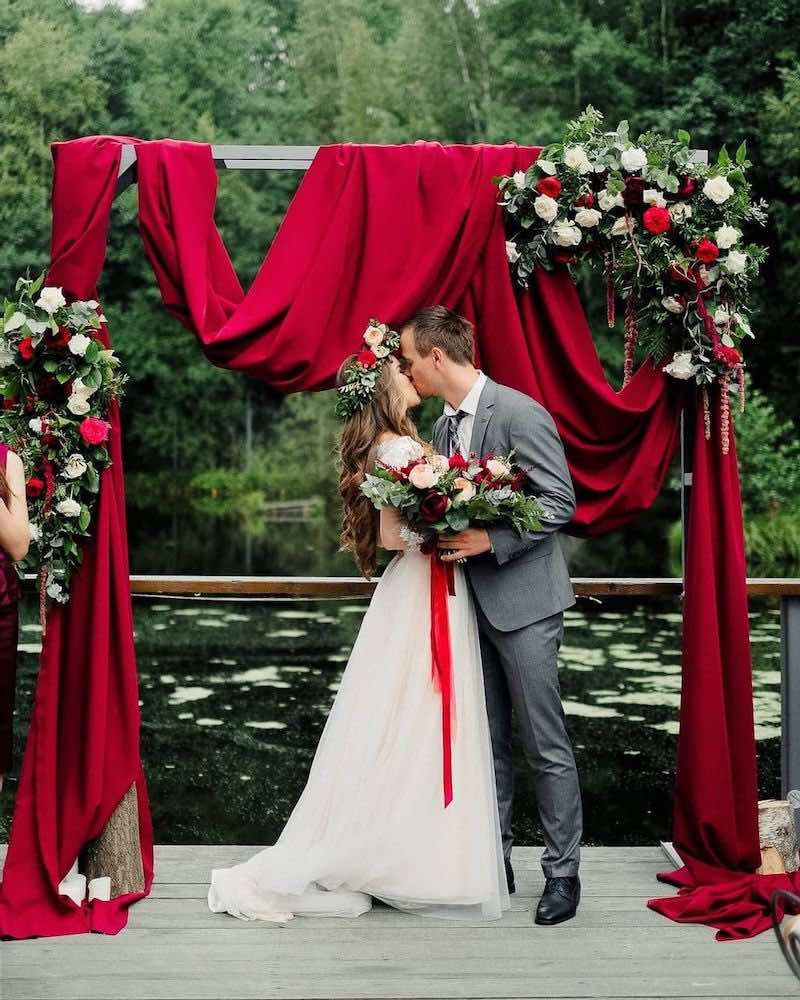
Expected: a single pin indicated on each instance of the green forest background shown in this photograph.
(214, 451)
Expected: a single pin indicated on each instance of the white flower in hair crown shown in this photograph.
(362, 373)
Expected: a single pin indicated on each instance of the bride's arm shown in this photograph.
(390, 529)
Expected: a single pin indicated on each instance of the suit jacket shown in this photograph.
(525, 579)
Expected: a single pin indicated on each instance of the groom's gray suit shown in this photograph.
(521, 590)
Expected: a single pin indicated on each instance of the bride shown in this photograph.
(371, 821)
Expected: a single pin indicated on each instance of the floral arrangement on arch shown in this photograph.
(668, 232)
(57, 380)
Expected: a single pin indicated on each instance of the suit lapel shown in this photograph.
(483, 416)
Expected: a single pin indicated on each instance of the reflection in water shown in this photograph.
(233, 705)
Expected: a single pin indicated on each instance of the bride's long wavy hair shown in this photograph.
(357, 446)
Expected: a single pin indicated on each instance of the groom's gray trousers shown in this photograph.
(520, 590)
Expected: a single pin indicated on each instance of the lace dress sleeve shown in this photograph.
(399, 451)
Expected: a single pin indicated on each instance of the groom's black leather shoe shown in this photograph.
(559, 900)
(510, 877)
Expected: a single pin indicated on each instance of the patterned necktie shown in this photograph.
(451, 430)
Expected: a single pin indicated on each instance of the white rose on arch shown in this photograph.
(575, 157)
(511, 252)
(588, 217)
(79, 405)
(623, 226)
(50, 299)
(546, 207)
(652, 196)
(671, 304)
(68, 507)
(607, 201)
(680, 212)
(735, 262)
(633, 159)
(519, 179)
(717, 189)
(74, 466)
(78, 343)
(681, 365)
(566, 235)
(726, 236)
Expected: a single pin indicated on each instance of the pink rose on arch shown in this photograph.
(93, 430)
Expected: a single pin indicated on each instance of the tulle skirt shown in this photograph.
(371, 822)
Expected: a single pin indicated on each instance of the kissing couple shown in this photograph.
(370, 822)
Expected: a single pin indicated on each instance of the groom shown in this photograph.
(520, 584)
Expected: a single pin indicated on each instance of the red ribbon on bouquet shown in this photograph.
(442, 585)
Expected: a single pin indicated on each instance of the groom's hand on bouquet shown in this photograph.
(471, 542)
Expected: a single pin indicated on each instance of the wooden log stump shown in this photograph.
(117, 852)
(778, 837)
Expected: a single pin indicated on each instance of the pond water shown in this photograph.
(234, 696)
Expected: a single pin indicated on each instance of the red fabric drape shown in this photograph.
(381, 231)
(82, 752)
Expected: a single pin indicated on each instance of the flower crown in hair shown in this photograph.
(361, 374)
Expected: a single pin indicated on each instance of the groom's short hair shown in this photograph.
(438, 326)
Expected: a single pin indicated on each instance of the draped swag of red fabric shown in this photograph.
(381, 231)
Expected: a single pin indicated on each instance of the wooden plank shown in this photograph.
(353, 586)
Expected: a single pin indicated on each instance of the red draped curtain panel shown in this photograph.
(381, 231)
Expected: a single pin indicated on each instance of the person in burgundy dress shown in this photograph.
(14, 541)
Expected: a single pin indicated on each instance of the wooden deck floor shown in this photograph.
(175, 948)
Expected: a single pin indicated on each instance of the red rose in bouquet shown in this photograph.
(433, 506)
(551, 186)
(457, 461)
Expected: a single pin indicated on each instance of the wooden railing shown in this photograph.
(326, 587)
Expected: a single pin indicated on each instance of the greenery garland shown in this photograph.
(57, 380)
(666, 230)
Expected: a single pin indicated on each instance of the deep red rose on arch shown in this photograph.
(707, 251)
(433, 505)
(634, 190)
(9, 402)
(51, 389)
(680, 274)
(585, 200)
(49, 438)
(561, 257)
(657, 220)
(366, 358)
(30, 403)
(727, 355)
(34, 486)
(58, 341)
(551, 186)
(26, 348)
(686, 187)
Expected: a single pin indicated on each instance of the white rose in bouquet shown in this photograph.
(546, 207)
(633, 159)
(50, 299)
(423, 476)
(74, 466)
(588, 217)
(566, 235)
(466, 490)
(497, 468)
(68, 507)
(735, 262)
(726, 236)
(681, 365)
(717, 189)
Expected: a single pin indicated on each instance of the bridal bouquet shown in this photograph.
(439, 495)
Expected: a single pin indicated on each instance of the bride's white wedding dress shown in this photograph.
(371, 820)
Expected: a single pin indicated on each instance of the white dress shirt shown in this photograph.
(469, 404)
